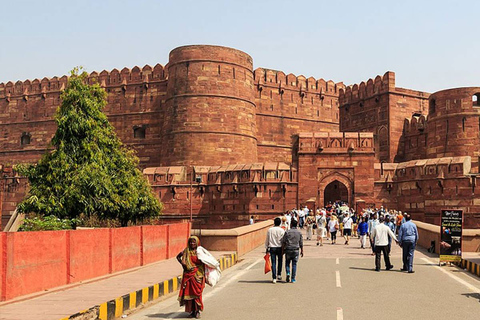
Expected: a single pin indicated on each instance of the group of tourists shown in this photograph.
(379, 226)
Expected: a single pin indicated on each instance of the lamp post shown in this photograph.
(198, 180)
(191, 196)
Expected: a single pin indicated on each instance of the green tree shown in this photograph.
(89, 170)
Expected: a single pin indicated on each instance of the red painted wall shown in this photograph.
(3, 261)
(177, 238)
(154, 243)
(126, 246)
(36, 261)
(89, 254)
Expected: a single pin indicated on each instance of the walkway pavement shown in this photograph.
(65, 301)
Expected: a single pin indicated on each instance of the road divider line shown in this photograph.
(337, 261)
(339, 313)
(337, 276)
(454, 277)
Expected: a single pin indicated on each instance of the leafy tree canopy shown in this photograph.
(89, 170)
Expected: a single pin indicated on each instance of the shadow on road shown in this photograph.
(472, 295)
(171, 315)
(372, 269)
(255, 281)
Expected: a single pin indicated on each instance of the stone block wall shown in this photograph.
(227, 196)
(346, 157)
(288, 105)
(378, 106)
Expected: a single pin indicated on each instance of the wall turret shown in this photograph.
(453, 123)
(210, 107)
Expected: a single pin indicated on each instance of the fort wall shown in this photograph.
(378, 106)
(344, 157)
(210, 109)
(453, 124)
(225, 196)
(288, 105)
(134, 103)
(425, 187)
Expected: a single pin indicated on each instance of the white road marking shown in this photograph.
(218, 287)
(337, 276)
(222, 285)
(337, 261)
(454, 277)
(339, 313)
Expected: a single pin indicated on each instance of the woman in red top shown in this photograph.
(193, 279)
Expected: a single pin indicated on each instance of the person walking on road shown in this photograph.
(309, 222)
(333, 227)
(380, 234)
(273, 245)
(372, 223)
(362, 231)
(321, 229)
(292, 244)
(408, 238)
(193, 260)
(347, 228)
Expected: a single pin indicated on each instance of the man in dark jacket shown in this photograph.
(292, 243)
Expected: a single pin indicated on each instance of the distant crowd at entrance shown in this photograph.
(380, 227)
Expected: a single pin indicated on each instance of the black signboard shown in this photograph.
(451, 236)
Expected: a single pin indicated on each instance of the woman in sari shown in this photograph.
(193, 279)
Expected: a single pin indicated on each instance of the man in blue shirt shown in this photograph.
(408, 238)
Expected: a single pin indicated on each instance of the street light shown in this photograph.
(198, 180)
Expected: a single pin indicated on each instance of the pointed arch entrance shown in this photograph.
(335, 191)
(335, 186)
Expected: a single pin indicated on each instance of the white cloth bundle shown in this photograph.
(212, 266)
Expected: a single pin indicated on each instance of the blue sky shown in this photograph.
(430, 45)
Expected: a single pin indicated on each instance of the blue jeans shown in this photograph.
(408, 248)
(291, 256)
(276, 254)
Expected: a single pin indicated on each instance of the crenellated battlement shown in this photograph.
(417, 124)
(364, 90)
(335, 142)
(273, 78)
(105, 78)
(218, 175)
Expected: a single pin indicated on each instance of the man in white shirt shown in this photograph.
(380, 235)
(273, 245)
(372, 223)
(347, 228)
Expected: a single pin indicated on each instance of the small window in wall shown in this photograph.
(139, 132)
(476, 100)
(25, 139)
(431, 106)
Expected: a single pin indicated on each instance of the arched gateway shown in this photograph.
(335, 191)
(335, 187)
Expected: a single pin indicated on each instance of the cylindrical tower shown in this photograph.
(453, 123)
(210, 107)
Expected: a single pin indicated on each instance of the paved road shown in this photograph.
(336, 282)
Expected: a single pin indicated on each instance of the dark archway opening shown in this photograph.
(335, 191)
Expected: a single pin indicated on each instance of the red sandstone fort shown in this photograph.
(224, 141)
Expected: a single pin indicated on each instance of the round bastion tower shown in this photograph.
(210, 108)
(453, 123)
